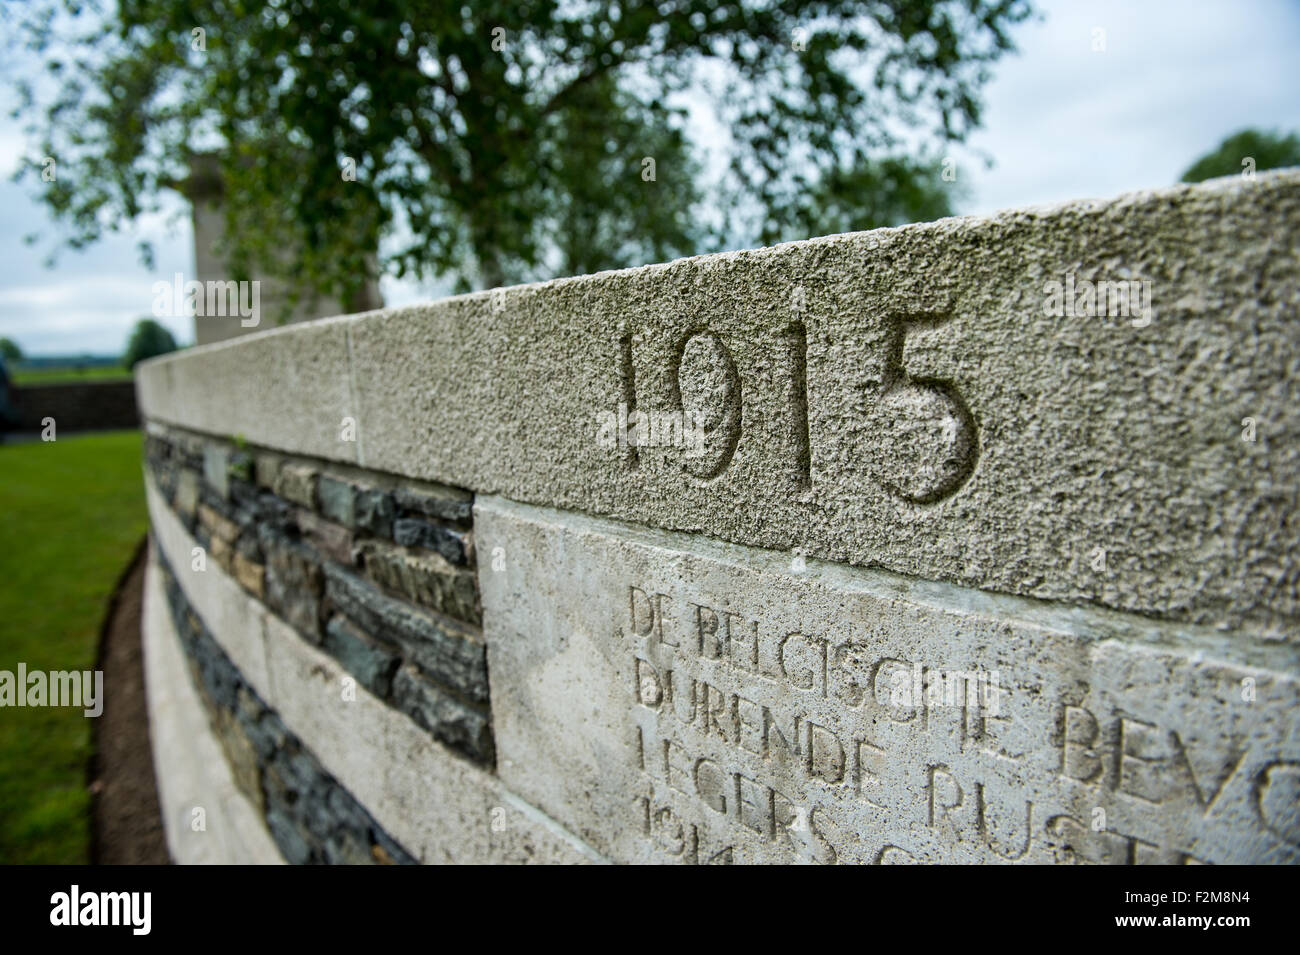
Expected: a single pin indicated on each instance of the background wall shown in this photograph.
(92, 406)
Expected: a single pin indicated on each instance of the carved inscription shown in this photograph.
(923, 437)
(707, 388)
(812, 745)
(713, 706)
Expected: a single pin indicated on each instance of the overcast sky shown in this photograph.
(1061, 122)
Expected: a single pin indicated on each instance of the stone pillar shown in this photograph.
(205, 191)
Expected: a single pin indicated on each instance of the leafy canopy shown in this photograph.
(1268, 150)
(504, 141)
(147, 340)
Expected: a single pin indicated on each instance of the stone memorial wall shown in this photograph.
(971, 541)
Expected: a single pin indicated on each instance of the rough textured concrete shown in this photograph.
(290, 391)
(674, 700)
(192, 771)
(901, 398)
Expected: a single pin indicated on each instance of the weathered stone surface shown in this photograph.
(266, 468)
(446, 504)
(374, 511)
(676, 700)
(413, 532)
(463, 727)
(329, 538)
(449, 652)
(371, 662)
(428, 579)
(249, 574)
(221, 553)
(288, 389)
(358, 506)
(297, 483)
(1072, 633)
(218, 525)
(242, 757)
(336, 500)
(439, 806)
(216, 463)
(273, 511)
(294, 582)
(289, 837)
(187, 493)
(904, 398)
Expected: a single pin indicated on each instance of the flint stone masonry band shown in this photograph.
(438, 806)
(192, 773)
(905, 398)
(970, 541)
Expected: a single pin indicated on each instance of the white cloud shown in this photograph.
(1176, 78)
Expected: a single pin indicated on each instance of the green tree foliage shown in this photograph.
(1269, 150)
(147, 340)
(9, 350)
(503, 141)
(891, 191)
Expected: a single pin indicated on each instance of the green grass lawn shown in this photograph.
(62, 376)
(71, 512)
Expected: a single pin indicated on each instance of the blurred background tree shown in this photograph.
(1269, 150)
(147, 340)
(506, 141)
(9, 350)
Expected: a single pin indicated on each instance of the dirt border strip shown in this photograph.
(126, 822)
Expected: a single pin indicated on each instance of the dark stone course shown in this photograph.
(460, 725)
(274, 512)
(450, 505)
(415, 532)
(325, 571)
(266, 733)
(311, 817)
(445, 650)
(294, 583)
(243, 496)
(370, 661)
(292, 843)
(249, 545)
(335, 498)
(374, 511)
